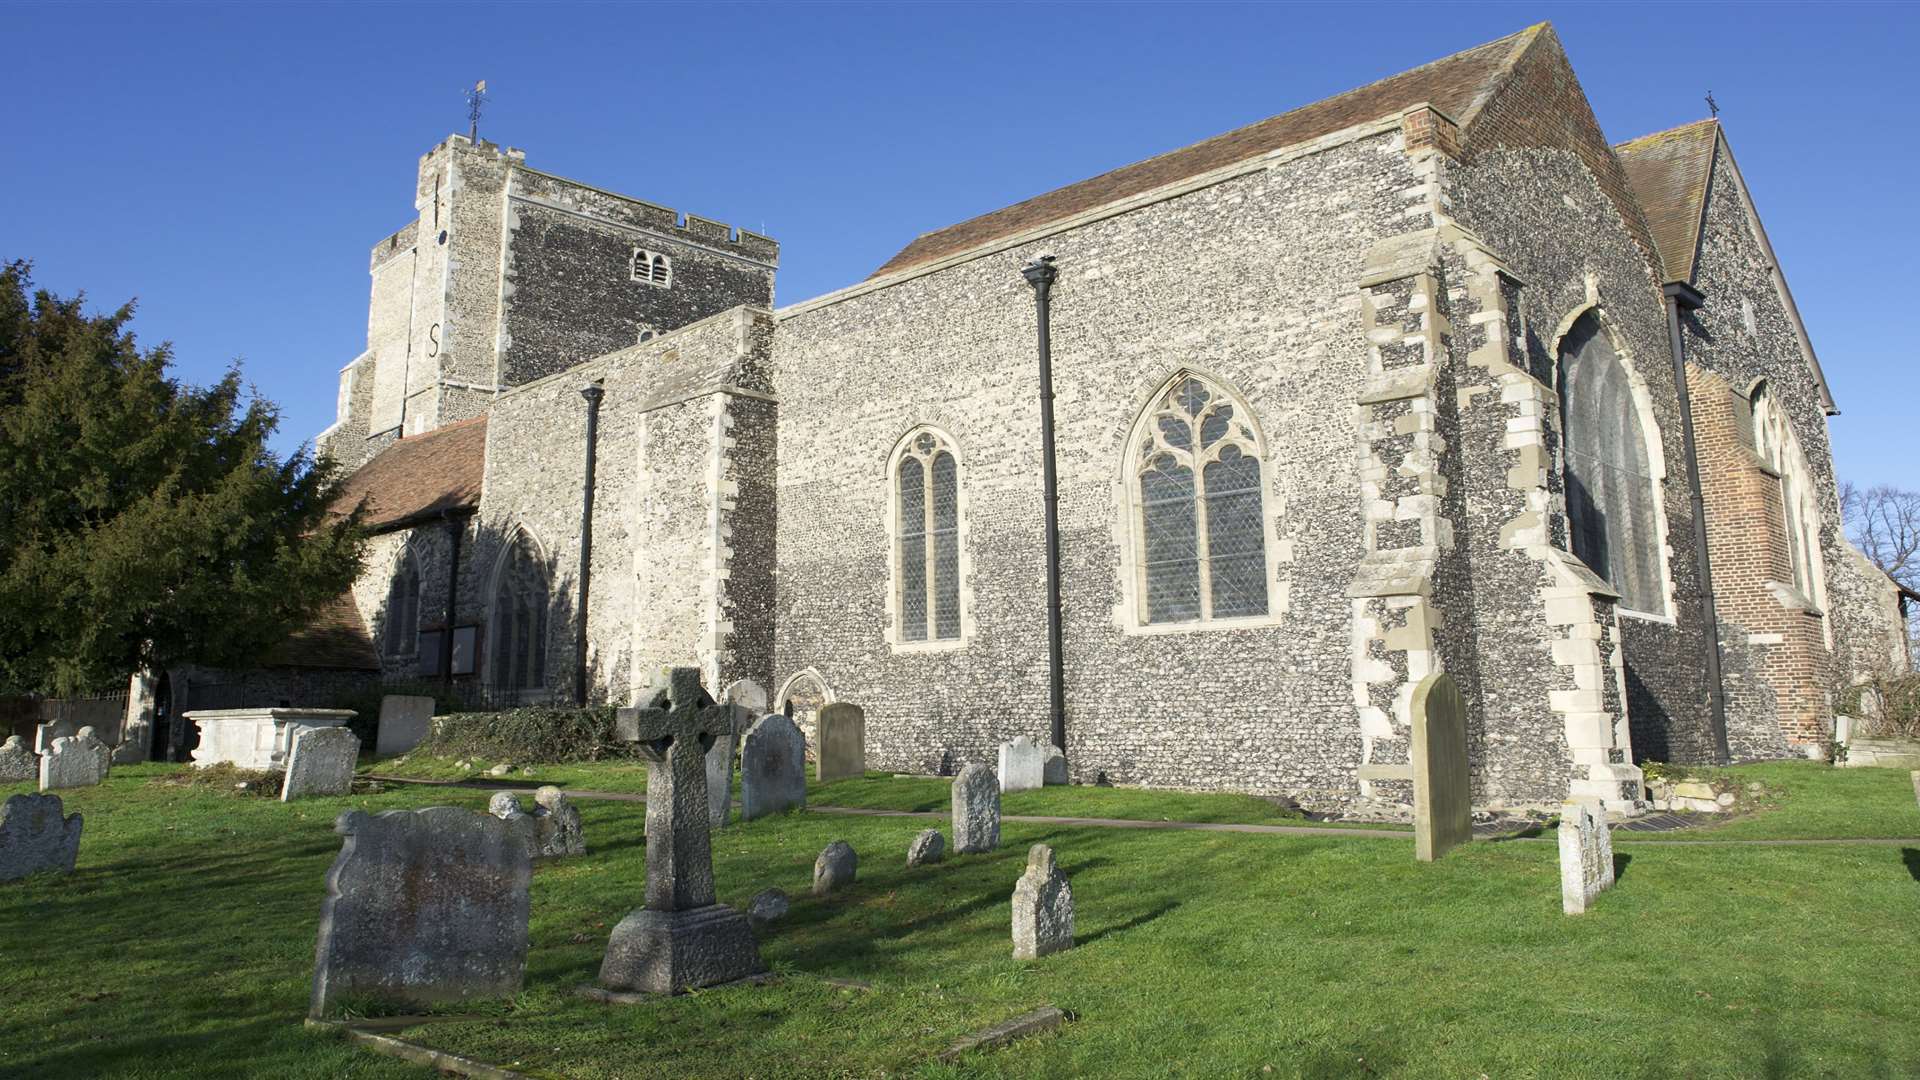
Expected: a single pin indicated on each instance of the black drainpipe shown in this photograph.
(456, 529)
(1040, 274)
(592, 392)
(1679, 295)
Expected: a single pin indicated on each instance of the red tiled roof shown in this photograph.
(419, 477)
(1669, 172)
(336, 637)
(1456, 85)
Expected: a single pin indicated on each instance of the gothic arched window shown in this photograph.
(1612, 499)
(519, 619)
(1200, 541)
(1779, 452)
(927, 515)
(402, 632)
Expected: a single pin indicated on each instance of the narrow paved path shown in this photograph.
(1623, 836)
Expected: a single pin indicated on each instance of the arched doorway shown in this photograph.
(801, 699)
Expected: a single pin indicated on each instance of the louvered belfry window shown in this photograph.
(1611, 507)
(926, 481)
(1201, 539)
(652, 268)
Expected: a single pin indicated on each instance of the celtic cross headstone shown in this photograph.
(681, 939)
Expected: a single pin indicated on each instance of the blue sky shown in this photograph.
(230, 165)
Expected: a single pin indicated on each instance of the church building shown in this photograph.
(1424, 377)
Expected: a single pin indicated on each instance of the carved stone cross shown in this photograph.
(674, 736)
(682, 938)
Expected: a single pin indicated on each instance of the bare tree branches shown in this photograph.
(1884, 523)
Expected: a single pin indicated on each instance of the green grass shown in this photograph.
(183, 947)
(1809, 799)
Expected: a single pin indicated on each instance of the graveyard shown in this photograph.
(183, 942)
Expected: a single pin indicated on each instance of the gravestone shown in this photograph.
(1442, 814)
(321, 763)
(556, 821)
(749, 699)
(1056, 767)
(1586, 854)
(1023, 765)
(44, 734)
(17, 763)
(843, 741)
(405, 720)
(75, 761)
(682, 939)
(256, 738)
(835, 867)
(976, 810)
(35, 838)
(1042, 907)
(773, 767)
(767, 906)
(424, 906)
(928, 847)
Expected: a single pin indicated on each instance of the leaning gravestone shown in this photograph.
(843, 741)
(424, 906)
(35, 838)
(976, 810)
(1442, 814)
(17, 763)
(1586, 854)
(1042, 907)
(1023, 765)
(773, 767)
(75, 761)
(683, 938)
(321, 763)
(405, 720)
(835, 867)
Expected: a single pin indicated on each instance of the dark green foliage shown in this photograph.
(143, 521)
(539, 734)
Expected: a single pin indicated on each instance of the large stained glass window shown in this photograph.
(1611, 496)
(519, 624)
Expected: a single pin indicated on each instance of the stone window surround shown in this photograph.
(1656, 446)
(896, 641)
(408, 647)
(1129, 536)
(650, 267)
(490, 678)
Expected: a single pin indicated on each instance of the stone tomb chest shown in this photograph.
(256, 738)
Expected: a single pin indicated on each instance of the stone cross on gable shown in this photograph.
(675, 739)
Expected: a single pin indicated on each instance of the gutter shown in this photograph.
(1040, 273)
(1678, 295)
(592, 392)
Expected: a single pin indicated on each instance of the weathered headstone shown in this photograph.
(17, 763)
(1023, 765)
(767, 905)
(749, 699)
(976, 810)
(35, 838)
(321, 763)
(405, 720)
(928, 847)
(682, 939)
(1442, 814)
(1042, 907)
(44, 734)
(835, 867)
(843, 741)
(424, 906)
(75, 761)
(556, 821)
(773, 767)
(1056, 767)
(136, 726)
(1586, 854)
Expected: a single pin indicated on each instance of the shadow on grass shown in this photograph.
(1911, 856)
(1620, 862)
(1141, 919)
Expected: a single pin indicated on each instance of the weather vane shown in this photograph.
(1712, 105)
(476, 100)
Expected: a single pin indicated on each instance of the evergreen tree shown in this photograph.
(143, 521)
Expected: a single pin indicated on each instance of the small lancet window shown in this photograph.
(1779, 451)
(927, 494)
(1199, 522)
(403, 610)
(652, 268)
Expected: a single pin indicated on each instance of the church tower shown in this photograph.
(507, 275)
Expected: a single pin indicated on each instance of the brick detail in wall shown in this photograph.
(1747, 543)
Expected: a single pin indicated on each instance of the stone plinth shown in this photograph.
(256, 738)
